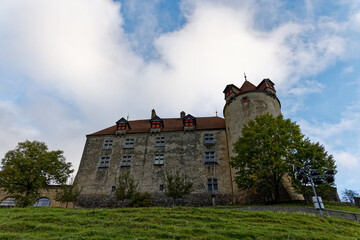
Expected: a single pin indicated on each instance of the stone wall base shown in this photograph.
(159, 200)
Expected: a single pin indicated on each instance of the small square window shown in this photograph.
(209, 157)
(104, 162)
(108, 144)
(161, 188)
(126, 161)
(245, 101)
(209, 138)
(160, 142)
(121, 126)
(159, 158)
(129, 143)
(212, 184)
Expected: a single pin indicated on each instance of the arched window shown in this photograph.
(42, 202)
(8, 202)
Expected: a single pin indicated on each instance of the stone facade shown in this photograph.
(183, 151)
(48, 193)
(199, 147)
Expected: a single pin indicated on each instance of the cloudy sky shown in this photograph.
(72, 67)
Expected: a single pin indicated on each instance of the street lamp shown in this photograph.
(306, 174)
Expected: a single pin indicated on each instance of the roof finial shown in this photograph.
(127, 118)
(245, 76)
(216, 113)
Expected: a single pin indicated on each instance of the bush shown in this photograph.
(140, 200)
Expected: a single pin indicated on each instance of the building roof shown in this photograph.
(170, 125)
(247, 86)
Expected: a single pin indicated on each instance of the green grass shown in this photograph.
(168, 223)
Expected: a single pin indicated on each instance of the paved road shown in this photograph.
(329, 213)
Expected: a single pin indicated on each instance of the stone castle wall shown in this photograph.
(184, 151)
(49, 192)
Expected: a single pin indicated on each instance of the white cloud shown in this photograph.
(13, 127)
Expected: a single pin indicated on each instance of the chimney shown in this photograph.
(182, 114)
(153, 113)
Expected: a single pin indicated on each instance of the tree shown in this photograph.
(68, 193)
(126, 186)
(348, 195)
(30, 167)
(267, 151)
(313, 155)
(177, 185)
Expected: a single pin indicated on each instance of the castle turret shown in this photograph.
(242, 105)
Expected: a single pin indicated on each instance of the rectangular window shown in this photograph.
(159, 158)
(126, 161)
(155, 124)
(129, 143)
(212, 184)
(161, 188)
(121, 126)
(113, 190)
(209, 157)
(245, 101)
(108, 144)
(160, 142)
(209, 138)
(104, 162)
(189, 122)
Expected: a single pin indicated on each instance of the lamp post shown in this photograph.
(306, 174)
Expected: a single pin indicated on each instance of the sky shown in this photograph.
(73, 67)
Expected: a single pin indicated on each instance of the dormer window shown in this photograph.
(229, 92)
(121, 126)
(155, 124)
(189, 123)
(269, 85)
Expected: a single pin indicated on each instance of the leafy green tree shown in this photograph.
(30, 167)
(68, 193)
(313, 155)
(126, 186)
(267, 151)
(177, 185)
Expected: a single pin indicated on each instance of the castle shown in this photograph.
(201, 147)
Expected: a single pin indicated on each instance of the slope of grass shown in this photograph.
(168, 223)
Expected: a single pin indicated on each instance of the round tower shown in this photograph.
(242, 105)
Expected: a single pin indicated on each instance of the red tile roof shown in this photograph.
(247, 86)
(170, 125)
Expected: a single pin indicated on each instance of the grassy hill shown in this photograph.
(169, 223)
